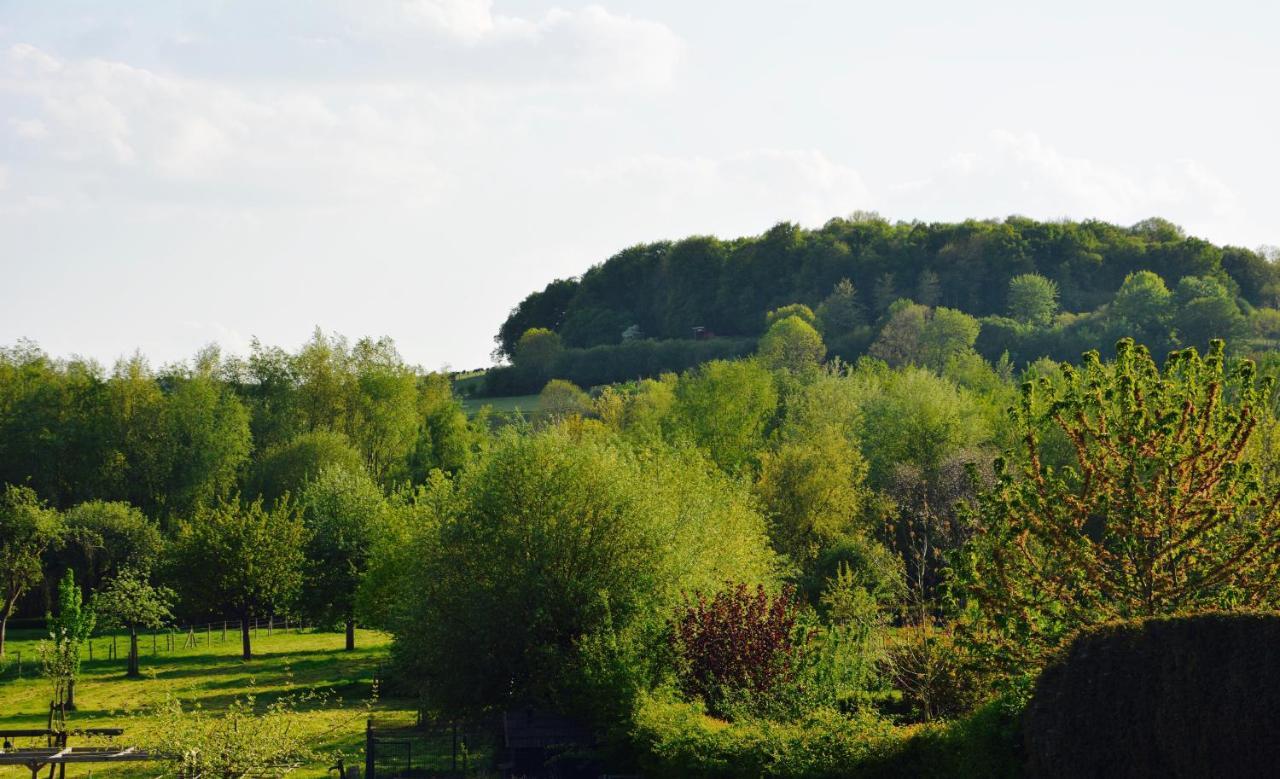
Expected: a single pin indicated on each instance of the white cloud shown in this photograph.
(1021, 173)
(731, 195)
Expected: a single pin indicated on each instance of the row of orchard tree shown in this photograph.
(210, 477)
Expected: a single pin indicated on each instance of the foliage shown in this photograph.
(791, 343)
(68, 630)
(344, 513)
(739, 643)
(555, 537)
(242, 560)
(840, 312)
(1033, 299)
(27, 529)
(561, 399)
(1158, 513)
(797, 310)
(286, 468)
(240, 740)
(1186, 696)
(130, 601)
(105, 536)
(724, 408)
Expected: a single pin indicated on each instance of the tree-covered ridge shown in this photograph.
(665, 289)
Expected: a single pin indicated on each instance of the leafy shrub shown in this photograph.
(739, 642)
(1181, 697)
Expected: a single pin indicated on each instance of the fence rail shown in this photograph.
(114, 645)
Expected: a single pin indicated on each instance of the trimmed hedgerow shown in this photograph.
(1168, 697)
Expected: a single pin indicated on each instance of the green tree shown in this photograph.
(286, 468)
(103, 536)
(791, 344)
(1205, 309)
(536, 353)
(344, 512)
(130, 601)
(724, 408)
(798, 310)
(812, 492)
(840, 313)
(561, 399)
(947, 334)
(928, 288)
(208, 430)
(555, 547)
(1143, 308)
(68, 630)
(383, 421)
(245, 559)
(1157, 514)
(1033, 299)
(28, 529)
(899, 342)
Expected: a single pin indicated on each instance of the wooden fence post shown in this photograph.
(91, 650)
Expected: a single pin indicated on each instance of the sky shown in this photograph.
(179, 174)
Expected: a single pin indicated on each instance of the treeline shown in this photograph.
(121, 461)
(664, 290)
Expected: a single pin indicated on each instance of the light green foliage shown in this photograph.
(1158, 513)
(791, 344)
(840, 313)
(70, 627)
(1265, 323)
(344, 512)
(131, 602)
(239, 560)
(725, 408)
(915, 417)
(561, 399)
(244, 739)
(1033, 299)
(812, 491)
(947, 334)
(798, 310)
(555, 537)
(1143, 307)
(536, 352)
(27, 529)
(445, 439)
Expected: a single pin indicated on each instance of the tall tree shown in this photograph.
(242, 558)
(28, 528)
(69, 629)
(344, 512)
(1033, 299)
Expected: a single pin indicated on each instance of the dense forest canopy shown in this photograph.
(663, 290)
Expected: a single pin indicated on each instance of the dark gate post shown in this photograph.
(368, 749)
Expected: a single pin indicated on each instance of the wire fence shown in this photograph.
(114, 645)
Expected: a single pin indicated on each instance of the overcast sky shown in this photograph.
(175, 174)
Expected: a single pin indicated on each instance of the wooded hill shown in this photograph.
(665, 290)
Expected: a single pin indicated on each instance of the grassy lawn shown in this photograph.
(212, 675)
(507, 409)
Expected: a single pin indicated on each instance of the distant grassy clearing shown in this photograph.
(507, 409)
(211, 675)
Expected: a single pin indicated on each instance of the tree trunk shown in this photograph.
(133, 652)
(4, 624)
(351, 635)
(71, 694)
(246, 653)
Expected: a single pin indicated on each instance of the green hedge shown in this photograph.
(677, 739)
(627, 361)
(1176, 697)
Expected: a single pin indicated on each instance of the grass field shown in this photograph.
(507, 409)
(212, 675)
